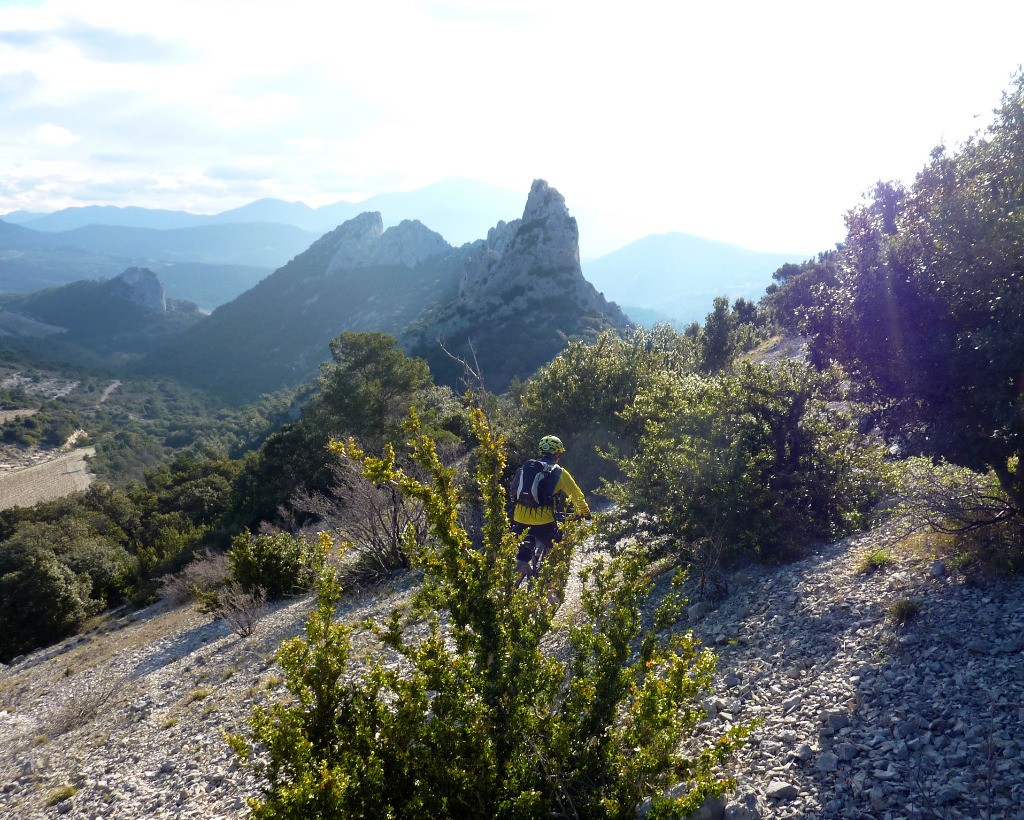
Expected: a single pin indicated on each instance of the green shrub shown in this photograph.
(581, 394)
(760, 461)
(278, 563)
(876, 559)
(479, 721)
(903, 610)
(60, 794)
(41, 600)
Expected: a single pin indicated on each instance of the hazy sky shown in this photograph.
(756, 123)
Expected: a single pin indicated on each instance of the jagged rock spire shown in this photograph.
(523, 281)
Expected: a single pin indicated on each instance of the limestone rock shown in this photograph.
(747, 805)
(141, 287)
(781, 790)
(362, 242)
(522, 290)
(353, 240)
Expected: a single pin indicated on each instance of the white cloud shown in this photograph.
(753, 122)
(55, 135)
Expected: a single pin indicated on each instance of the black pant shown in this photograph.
(536, 546)
(548, 533)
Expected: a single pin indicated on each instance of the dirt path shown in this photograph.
(110, 388)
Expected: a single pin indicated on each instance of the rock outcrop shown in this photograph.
(522, 294)
(538, 253)
(510, 302)
(141, 287)
(358, 277)
(362, 242)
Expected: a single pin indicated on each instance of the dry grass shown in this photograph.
(903, 610)
(111, 639)
(13, 692)
(59, 795)
(980, 555)
(10, 415)
(83, 702)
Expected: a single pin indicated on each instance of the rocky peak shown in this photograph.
(546, 234)
(538, 253)
(362, 242)
(141, 287)
(544, 204)
(408, 243)
(523, 281)
(354, 239)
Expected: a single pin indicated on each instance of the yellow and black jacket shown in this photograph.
(532, 516)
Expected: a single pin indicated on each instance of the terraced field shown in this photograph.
(10, 415)
(67, 473)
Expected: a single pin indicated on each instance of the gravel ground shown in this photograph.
(861, 719)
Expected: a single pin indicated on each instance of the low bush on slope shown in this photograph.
(482, 722)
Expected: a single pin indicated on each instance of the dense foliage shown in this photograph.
(583, 392)
(278, 563)
(50, 425)
(924, 303)
(135, 425)
(64, 560)
(479, 721)
(759, 460)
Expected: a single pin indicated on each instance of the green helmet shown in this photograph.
(551, 444)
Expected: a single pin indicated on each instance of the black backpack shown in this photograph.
(534, 484)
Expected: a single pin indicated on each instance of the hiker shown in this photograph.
(532, 499)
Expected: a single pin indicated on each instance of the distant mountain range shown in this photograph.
(675, 277)
(211, 259)
(461, 210)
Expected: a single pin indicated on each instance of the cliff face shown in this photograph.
(363, 242)
(522, 295)
(141, 287)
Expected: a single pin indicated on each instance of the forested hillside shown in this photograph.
(100, 321)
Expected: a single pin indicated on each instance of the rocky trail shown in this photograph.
(861, 718)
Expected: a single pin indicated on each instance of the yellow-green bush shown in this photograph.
(479, 721)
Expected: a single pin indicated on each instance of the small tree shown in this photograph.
(478, 720)
(41, 600)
